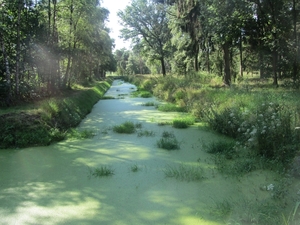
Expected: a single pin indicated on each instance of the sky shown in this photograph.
(114, 6)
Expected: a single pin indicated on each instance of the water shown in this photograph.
(54, 185)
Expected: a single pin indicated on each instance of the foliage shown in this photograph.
(185, 172)
(149, 104)
(52, 119)
(127, 127)
(80, 134)
(169, 107)
(102, 171)
(222, 209)
(134, 168)
(168, 141)
(145, 133)
(226, 148)
(183, 122)
(146, 24)
(45, 50)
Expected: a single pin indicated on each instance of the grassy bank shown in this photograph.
(48, 120)
(261, 118)
(263, 126)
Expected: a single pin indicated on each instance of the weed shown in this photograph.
(134, 168)
(168, 141)
(171, 108)
(291, 220)
(184, 122)
(185, 172)
(163, 123)
(149, 104)
(145, 133)
(221, 209)
(126, 127)
(146, 94)
(77, 134)
(102, 171)
(225, 148)
(141, 93)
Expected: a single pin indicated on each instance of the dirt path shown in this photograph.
(54, 185)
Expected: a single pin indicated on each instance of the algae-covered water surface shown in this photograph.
(118, 178)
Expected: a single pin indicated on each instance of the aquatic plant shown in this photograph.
(169, 107)
(149, 104)
(221, 209)
(183, 122)
(102, 171)
(145, 133)
(226, 148)
(127, 127)
(185, 172)
(168, 141)
(134, 168)
(80, 134)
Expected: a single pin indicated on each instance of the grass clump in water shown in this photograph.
(184, 122)
(225, 148)
(168, 141)
(141, 93)
(102, 171)
(127, 127)
(222, 209)
(145, 133)
(185, 172)
(134, 168)
(77, 134)
(149, 104)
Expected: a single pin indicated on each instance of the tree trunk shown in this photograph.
(261, 64)
(227, 76)
(208, 61)
(163, 67)
(295, 44)
(275, 62)
(17, 75)
(66, 78)
(241, 55)
(196, 62)
(7, 71)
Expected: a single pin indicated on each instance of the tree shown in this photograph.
(146, 25)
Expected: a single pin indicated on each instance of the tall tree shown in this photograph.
(146, 25)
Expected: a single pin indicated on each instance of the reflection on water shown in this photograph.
(51, 185)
